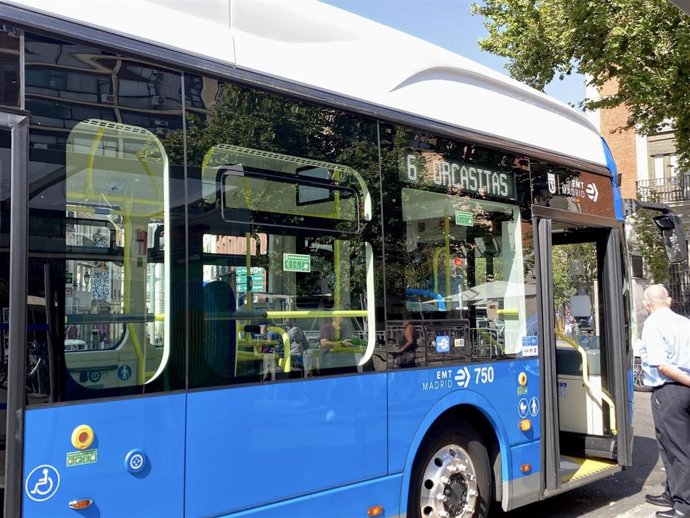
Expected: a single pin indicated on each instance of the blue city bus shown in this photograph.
(273, 259)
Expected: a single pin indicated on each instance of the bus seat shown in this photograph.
(219, 336)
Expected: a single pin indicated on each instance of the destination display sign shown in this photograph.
(575, 191)
(436, 170)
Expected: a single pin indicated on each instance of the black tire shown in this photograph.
(453, 464)
(638, 377)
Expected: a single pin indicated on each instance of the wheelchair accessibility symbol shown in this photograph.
(42, 483)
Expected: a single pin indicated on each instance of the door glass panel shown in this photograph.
(585, 406)
(115, 281)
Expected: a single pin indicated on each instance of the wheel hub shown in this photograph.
(449, 487)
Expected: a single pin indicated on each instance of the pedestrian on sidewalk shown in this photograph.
(665, 355)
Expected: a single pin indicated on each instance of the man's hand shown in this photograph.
(673, 372)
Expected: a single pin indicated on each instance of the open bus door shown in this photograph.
(585, 351)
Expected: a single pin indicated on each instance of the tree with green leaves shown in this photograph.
(574, 272)
(647, 238)
(644, 45)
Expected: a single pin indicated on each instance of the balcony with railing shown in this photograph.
(675, 189)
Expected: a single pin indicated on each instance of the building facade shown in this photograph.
(649, 171)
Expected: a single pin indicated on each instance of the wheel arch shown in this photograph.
(471, 408)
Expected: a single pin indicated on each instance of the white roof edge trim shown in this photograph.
(117, 18)
(500, 86)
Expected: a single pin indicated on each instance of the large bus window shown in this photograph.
(460, 259)
(284, 279)
(99, 202)
(465, 262)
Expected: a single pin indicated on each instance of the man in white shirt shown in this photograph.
(665, 355)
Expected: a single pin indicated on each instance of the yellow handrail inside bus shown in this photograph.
(446, 248)
(585, 378)
(286, 345)
(317, 313)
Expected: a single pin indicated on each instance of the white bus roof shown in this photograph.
(320, 46)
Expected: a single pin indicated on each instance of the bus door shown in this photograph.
(585, 352)
(13, 298)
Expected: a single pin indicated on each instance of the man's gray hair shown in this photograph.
(656, 295)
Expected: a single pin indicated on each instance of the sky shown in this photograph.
(450, 24)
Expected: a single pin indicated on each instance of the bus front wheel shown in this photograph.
(451, 477)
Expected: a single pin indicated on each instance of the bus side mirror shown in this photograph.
(671, 228)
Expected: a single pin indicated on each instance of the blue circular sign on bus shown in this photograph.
(135, 461)
(124, 372)
(42, 483)
(523, 408)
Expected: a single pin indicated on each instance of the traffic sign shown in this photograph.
(257, 275)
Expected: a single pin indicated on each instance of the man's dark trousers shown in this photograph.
(671, 414)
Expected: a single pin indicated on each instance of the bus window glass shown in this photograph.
(116, 284)
(101, 198)
(460, 257)
(285, 284)
(465, 259)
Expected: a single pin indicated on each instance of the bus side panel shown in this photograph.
(254, 445)
(523, 488)
(56, 473)
(345, 502)
(418, 397)
(523, 454)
